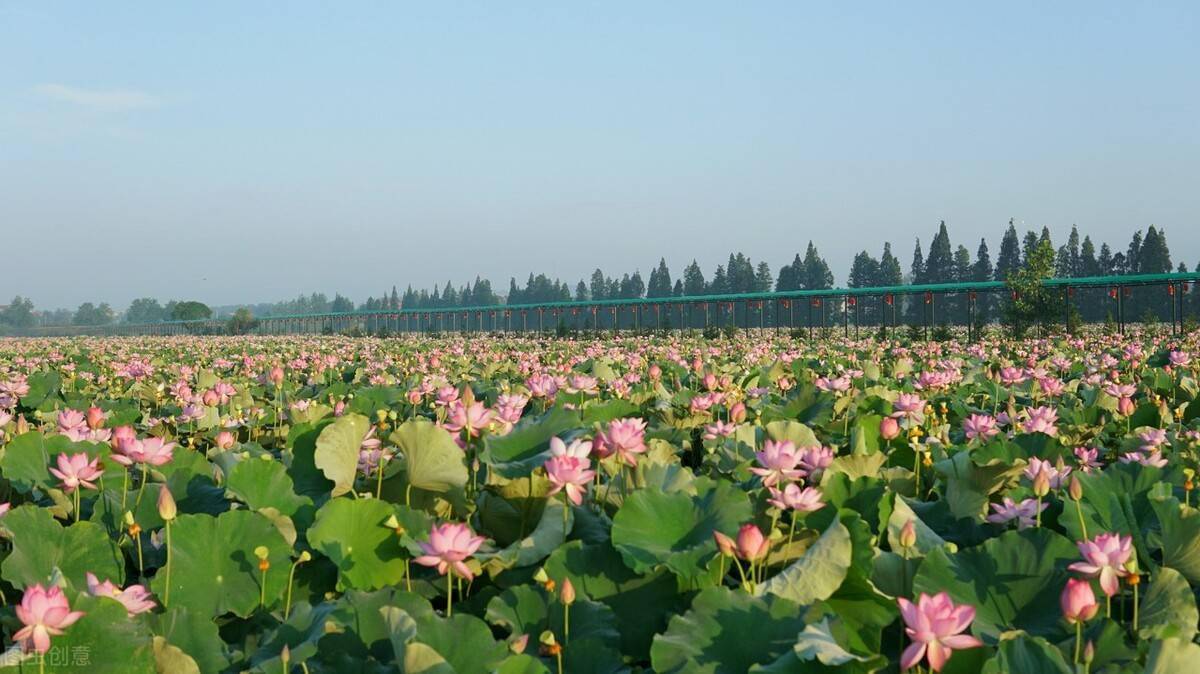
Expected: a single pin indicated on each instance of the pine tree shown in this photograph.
(1088, 265)
(1105, 261)
(1028, 246)
(718, 285)
(762, 278)
(816, 274)
(864, 271)
(693, 280)
(677, 291)
(889, 268)
(1010, 253)
(1133, 256)
(1074, 265)
(599, 286)
(982, 271)
(916, 270)
(581, 292)
(1153, 255)
(939, 264)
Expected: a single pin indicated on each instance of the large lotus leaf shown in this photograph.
(902, 513)
(301, 632)
(642, 603)
(522, 664)
(1020, 652)
(309, 480)
(1172, 656)
(524, 609)
(968, 486)
(464, 641)
(337, 451)
(1168, 609)
(1013, 581)
(41, 545)
(432, 460)
(194, 634)
(817, 574)
(27, 458)
(103, 641)
(368, 554)
(798, 433)
(168, 658)
(527, 446)
(676, 529)
(727, 632)
(1180, 537)
(510, 510)
(43, 392)
(264, 483)
(550, 533)
(818, 649)
(213, 567)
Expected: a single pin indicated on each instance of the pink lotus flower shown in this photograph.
(1011, 376)
(624, 437)
(123, 437)
(792, 497)
(1078, 602)
(935, 625)
(152, 451)
(909, 406)
(569, 473)
(449, 544)
(472, 418)
(1179, 358)
(44, 613)
(815, 459)
(980, 426)
(1055, 475)
(718, 430)
(778, 461)
(542, 386)
(1105, 556)
(1041, 420)
(135, 598)
(76, 470)
(225, 440)
(1152, 439)
(96, 418)
(579, 449)
(1024, 512)
(1088, 458)
(72, 424)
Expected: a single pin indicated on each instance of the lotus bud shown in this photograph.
(567, 593)
(1089, 652)
(1075, 488)
(276, 376)
(225, 440)
(751, 544)
(889, 428)
(655, 372)
(22, 426)
(518, 644)
(737, 413)
(1077, 601)
(166, 504)
(210, 398)
(95, 418)
(1041, 483)
(285, 657)
(725, 544)
(908, 535)
(1125, 406)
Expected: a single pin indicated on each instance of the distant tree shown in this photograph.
(677, 291)
(599, 285)
(1153, 255)
(1107, 267)
(659, 284)
(1028, 245)
(1133, 255)
(91, 314)
(889, 268)
(864, 271)
(144, 310)
(242, 322)
(762, 278)
(1033, 303)
(939, 264)
(341, 304)
(693, 280)
(982, 271)
(581, 292)
(916, 270)
(190, 310)
(719, 286)
(1009, 259)
(19, 313)
(1088, 264)
(815, 274)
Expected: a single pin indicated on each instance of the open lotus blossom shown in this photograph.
(935, 625)
(1024, 512)
(44, 613)
(1011, 376)
(571, 474)
(718, 429)
(1179, 358)
(815, 459)
(980, 427)
(1088, 458)
(449, 545)
(778, 462)
(909, 406)
(624, 437)
(579, 448)
(471, 418)
(1152, 439)
(135, 598)
(1041, 420)
(73, 424)
(1105, 557)
(792, 497)
(1055, 474)
(152, 451)
(77, 470)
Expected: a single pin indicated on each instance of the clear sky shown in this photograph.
(249, 151)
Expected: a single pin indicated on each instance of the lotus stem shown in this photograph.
(1078, 638)
(141, 488)
(166, 592)
(566, 623)
(124, 487)
(449, 594)
(77, 504)
(1082, 524)
(566, 514)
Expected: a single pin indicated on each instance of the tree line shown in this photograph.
(1079, 256)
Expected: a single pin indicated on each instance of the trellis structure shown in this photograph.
(882, 308)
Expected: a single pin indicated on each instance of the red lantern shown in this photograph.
(928, 297)
(1070, 292)
(1014, 295)
(889, 299)
(1112, 293)
(973, 295)
(1171, 290)
(852, 301)
(816, 302)
(787, 304)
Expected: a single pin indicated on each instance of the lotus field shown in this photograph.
(665, 504)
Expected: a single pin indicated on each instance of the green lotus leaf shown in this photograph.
(527, 446)
(1168, 609)
(1020, 652)
(817, 574)
(1171, 656)
(103, 641)
(727, 632)
(1180, 537)
(1013, 580)
(433, 462)
(27, 458)
(214, 570)
(353, 533)
(40, 545)
(550, 533)
(676, 529)
(194, 634)
(337, 451)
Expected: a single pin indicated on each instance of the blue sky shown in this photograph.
(237, 151)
